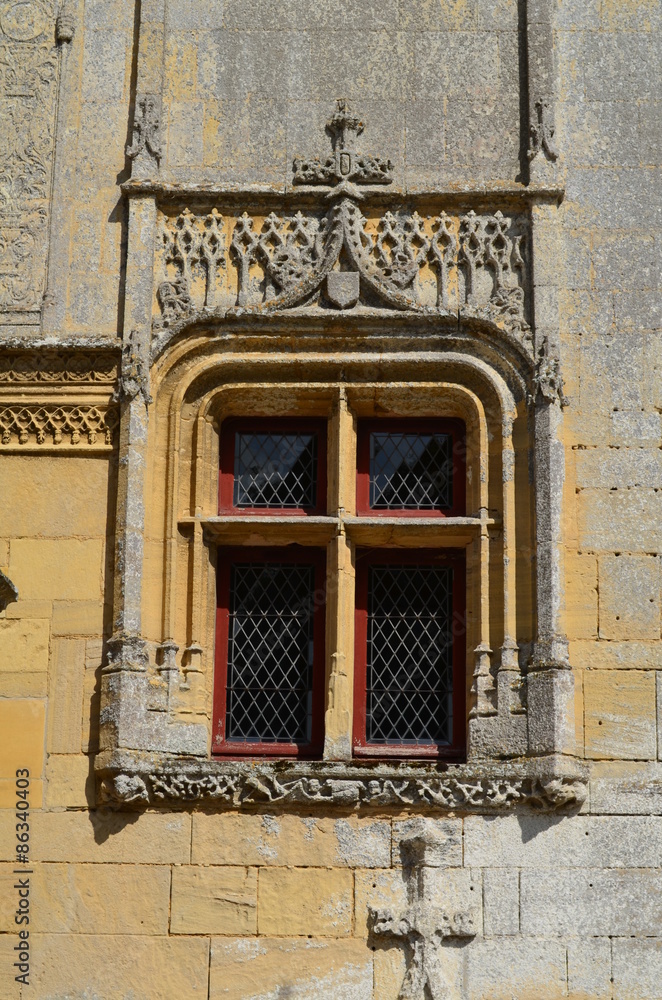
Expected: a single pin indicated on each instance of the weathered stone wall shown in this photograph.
(265, 904)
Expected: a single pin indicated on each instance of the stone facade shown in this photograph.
(425, 208)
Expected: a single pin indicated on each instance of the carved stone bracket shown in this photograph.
(380, 787)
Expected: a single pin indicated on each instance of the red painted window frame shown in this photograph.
(281, 554)
(441, 425)
(365, 558)
(277, 424)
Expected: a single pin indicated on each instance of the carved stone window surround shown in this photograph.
(254, 296)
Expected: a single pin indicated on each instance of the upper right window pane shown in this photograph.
(411, 467)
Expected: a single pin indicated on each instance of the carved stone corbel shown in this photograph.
(65, 24)
(134, 372)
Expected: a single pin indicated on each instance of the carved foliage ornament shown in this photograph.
(230, 788)
(146, 129)
(475, 262)
(338, 257)
(41, 366)
(28, 87)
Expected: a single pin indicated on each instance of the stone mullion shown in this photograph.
(340, 587)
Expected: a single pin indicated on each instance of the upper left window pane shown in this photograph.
(273, 466)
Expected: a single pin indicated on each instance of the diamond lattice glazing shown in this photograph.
(409, 662)
(270, 653)
(410, 471)
(275, 470)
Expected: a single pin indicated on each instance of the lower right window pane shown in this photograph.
(410, 654)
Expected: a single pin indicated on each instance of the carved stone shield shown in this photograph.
(342, 288)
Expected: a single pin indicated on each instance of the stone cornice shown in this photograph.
(544, 785)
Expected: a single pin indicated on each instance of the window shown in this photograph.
(409, 643)
(412, 467)
(410, 658)
(269, 465)
(270, 643)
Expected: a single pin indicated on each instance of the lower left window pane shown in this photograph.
(270, 652)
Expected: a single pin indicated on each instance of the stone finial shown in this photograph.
(543, 132)
(134, 373)
(346, 166)
(146, 129)
(548, 381)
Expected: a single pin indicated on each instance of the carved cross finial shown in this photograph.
(345, 168)
(345, 126)
(422, 926)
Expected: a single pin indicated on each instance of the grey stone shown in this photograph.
(104, 65)
(591, 903)
(444, 839)
(628, 520)
(516, 967)
(501, 902)
(637, 968)
(614, 468)
(589, 968)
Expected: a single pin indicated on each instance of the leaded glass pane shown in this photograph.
(270, 653)
(275, 470)
(409, 656)
(410, 471)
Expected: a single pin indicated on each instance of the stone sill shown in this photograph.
(243, 529)
(545, 784)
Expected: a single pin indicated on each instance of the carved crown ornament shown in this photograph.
(329, 245)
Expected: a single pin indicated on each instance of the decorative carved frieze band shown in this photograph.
(57, 424)
(372, 790)
(28, 90)
(445, 263)
(44, 366)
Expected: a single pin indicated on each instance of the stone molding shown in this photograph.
(462, 788)
(57, 424)
(41, 367)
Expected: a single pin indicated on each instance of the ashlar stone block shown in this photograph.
(305, 901)
(637, 966)
(591, 903)
(213, 900)
(629, 597)
(620, 714)
(297, 968)
(109, 965)
(236, 839)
